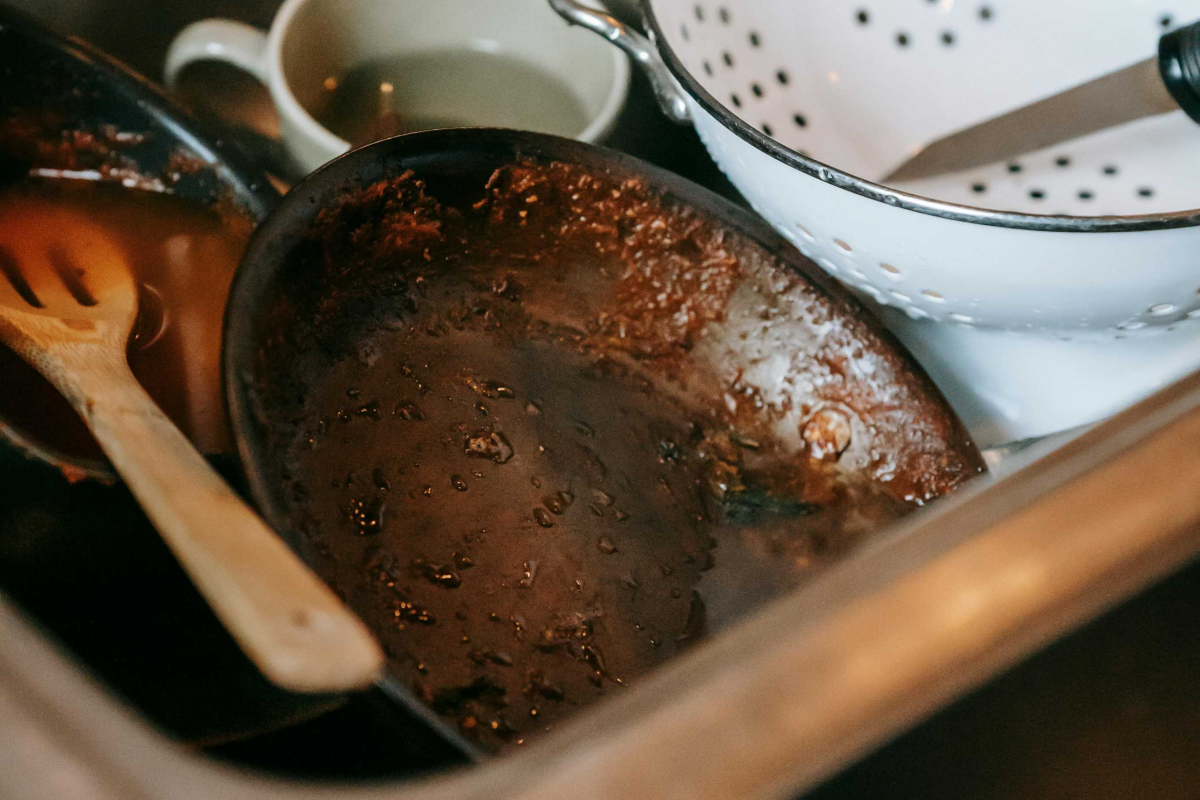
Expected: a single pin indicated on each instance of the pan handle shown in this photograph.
(637, 47)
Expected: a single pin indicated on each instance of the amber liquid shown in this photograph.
(183, 256)
(447, 89)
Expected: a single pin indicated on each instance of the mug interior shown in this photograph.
(326, 39)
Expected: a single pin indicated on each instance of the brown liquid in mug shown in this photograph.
(183, 257)
(447, 89)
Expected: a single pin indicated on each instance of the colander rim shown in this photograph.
(895, 197)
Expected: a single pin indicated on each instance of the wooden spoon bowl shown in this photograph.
(68, 302)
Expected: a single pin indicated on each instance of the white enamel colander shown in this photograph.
(1074, 300)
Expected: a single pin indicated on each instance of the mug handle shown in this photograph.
(245, 47)
(226, 40)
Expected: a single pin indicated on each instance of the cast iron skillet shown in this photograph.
(76, 553)
(546, 415)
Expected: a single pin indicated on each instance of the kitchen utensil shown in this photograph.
(1168, 82)
(1075, 299)
(313, 44)
(77, 555)
(67, 305)
(420, 404)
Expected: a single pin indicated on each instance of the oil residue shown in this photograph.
(566, 601)
(577, 490)
(183, 256)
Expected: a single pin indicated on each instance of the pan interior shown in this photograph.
(545, 428)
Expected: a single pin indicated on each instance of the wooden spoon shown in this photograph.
(68, 300)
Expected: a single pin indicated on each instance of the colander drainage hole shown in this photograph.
(934, 296)
(1037, 194)
(1109, 170)
(800, 121)
(1145, 191)
(891, 271)
(1084, 194)
(1166, 20)
(842, 245)
(723, 13)
(902, 39)
(707, 68)
(1063, 161)
(948, 38)
(699, 13)
(728, 59)
(766, 128)
(683, 31)
(756, 89)
(862, 16)
(1014, 168)
(737, 101)
(755, 41)
(979, 188)
(805, 233)
(985, 13)
(782, 77)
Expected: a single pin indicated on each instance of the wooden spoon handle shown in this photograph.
(285, 619)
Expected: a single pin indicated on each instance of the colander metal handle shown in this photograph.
(637, 47)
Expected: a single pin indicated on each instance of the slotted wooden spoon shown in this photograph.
(68, 301)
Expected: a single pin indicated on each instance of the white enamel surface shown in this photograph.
(868, 102)
(1028, 332)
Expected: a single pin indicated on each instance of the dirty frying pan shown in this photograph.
(547, 416)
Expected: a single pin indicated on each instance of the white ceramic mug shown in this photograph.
(311, 41)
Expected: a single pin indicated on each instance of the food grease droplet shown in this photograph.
(437, 574)
(458, 483)
(370, 410)
(366, 515)
(381, 482)
(498, 657)
(491, 389)
(531, 568)
(543, 518)
(827, 433)
(406, 409)
(486, 443)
